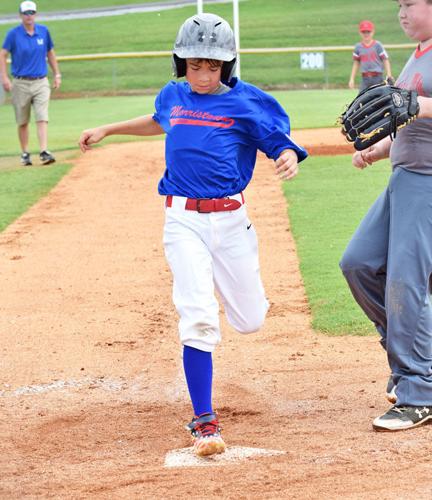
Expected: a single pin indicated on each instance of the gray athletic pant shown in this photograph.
(388, 266)
(369, 81)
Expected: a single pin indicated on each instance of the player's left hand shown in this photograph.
(376, 152)
(57, 81)
(287, 165)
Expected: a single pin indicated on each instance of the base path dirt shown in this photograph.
(92, 396)
(323, 141)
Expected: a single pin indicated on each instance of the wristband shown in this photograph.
(58, 75)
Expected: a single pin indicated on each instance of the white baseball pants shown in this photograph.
(210, 252)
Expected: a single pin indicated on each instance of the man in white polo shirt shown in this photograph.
(30, 46)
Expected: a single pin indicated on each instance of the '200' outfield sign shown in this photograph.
(312, 60)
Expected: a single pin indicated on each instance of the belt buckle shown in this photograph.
(198, 206)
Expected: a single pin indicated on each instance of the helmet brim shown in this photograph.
(203, 52)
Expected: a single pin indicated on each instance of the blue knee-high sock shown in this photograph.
(198, 368)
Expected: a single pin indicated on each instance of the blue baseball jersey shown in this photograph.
(212, 139)
(28, 52)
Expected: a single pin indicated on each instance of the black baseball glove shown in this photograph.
(378, 112)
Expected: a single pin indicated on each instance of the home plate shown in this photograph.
(185, 457)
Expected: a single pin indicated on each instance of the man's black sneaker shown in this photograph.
(399, 418)
(25, 159)
(46, 158)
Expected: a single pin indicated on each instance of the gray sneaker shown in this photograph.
(399, 418)
(46, 158)
(25, 159)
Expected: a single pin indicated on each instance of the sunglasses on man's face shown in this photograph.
(29, 13)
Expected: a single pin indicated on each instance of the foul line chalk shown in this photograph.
(100, 382)
(185, 457)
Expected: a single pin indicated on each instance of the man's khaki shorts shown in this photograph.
(27, 93)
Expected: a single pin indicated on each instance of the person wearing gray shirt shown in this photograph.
(370, 58)
(388, 262)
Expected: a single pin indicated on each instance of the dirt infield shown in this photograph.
(92, 396)
(323, 141)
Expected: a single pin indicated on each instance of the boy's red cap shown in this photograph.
(366, 26)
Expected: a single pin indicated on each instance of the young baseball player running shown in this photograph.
(214, 125)
(388, 263)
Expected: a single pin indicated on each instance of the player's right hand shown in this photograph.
(378, 151)
(89, 137)
(7, 85)
(359, 159)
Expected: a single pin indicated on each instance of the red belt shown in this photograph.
(207, 205)
(371, 73)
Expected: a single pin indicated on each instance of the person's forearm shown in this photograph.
(382, 148)
(144, 125)
(52, 61)
(3, 66)
(425, 104)
(354, 70)
(387, 67)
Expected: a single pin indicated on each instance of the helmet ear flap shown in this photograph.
(179, 66)
(228, 70)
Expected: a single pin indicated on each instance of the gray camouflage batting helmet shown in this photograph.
(205, 36)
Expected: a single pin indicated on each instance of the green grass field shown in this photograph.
(264, 23)
(68, 117)
(21, 188)
(326, 202)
